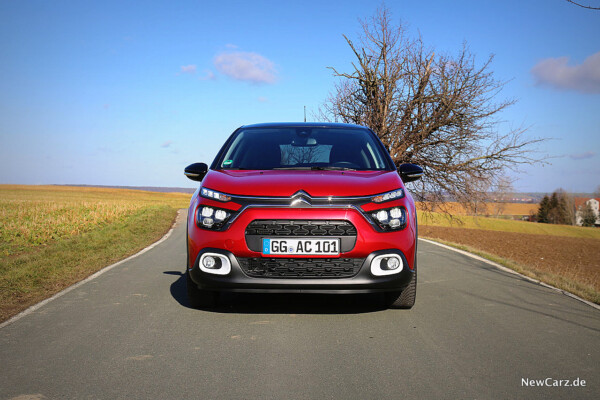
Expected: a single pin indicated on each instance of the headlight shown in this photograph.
(390, 219)
(214, 195)
(393, 195)
(212, 218)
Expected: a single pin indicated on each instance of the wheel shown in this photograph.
(199, 298)
(406, 298)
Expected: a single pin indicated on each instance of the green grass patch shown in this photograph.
(504, 225)
(52, 237)
(30, 277)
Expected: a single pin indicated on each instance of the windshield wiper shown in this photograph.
(315, 168)
(304, 168)
(318, 168)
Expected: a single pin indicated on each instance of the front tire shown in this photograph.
(198, 298)
(404, 299)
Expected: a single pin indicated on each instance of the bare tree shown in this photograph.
(503, 193)
(437, 111)
(567, 201)
(292, 155)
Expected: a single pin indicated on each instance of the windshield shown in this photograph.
(303, 148)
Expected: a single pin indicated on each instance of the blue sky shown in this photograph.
(130, 92)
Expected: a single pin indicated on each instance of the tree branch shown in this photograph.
(583, 6)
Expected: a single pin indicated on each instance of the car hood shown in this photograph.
(315, 183)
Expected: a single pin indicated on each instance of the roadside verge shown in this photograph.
(506, 269)
(36, 306)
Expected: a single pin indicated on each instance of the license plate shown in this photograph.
(301, 246)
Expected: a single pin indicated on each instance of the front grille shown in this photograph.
(300, 228)
(301, 267)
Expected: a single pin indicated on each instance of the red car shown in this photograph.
(302, 208)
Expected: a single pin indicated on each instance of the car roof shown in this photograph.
(304, 124)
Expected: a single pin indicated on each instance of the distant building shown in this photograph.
(522, 200)
(580, 203)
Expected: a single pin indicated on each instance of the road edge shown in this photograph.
(91, 277)
(506, 269)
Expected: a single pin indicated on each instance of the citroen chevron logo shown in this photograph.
(301, 199)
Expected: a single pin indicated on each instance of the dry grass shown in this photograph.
(54, 236)
(31, 216)
(492, 209)
(506, 225)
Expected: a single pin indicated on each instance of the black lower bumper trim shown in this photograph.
(306, 268)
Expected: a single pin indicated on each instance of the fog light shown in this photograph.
(394, 223)
(208, 222)
(386, 264)
(220, 215)
(215, 263)
(393, 263)
(207, 212)
(209, 262)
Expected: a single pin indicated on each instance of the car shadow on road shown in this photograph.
(282, 303)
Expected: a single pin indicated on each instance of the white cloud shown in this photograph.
(166, 144)
(582, 156)
(263, 99)
(188, 69)
(555, 72)
(242, 66)
(208, 76)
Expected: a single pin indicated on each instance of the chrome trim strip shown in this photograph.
(304, 194)
(301, 194)
(352, 206)
(301, 199)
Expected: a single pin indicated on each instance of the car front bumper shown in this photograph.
(363, 282)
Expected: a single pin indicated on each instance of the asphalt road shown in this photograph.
(475, 332)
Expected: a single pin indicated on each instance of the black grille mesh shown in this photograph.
(301, 267)
(300, 228)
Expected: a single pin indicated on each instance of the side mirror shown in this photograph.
(410, 172)
(196, 171)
